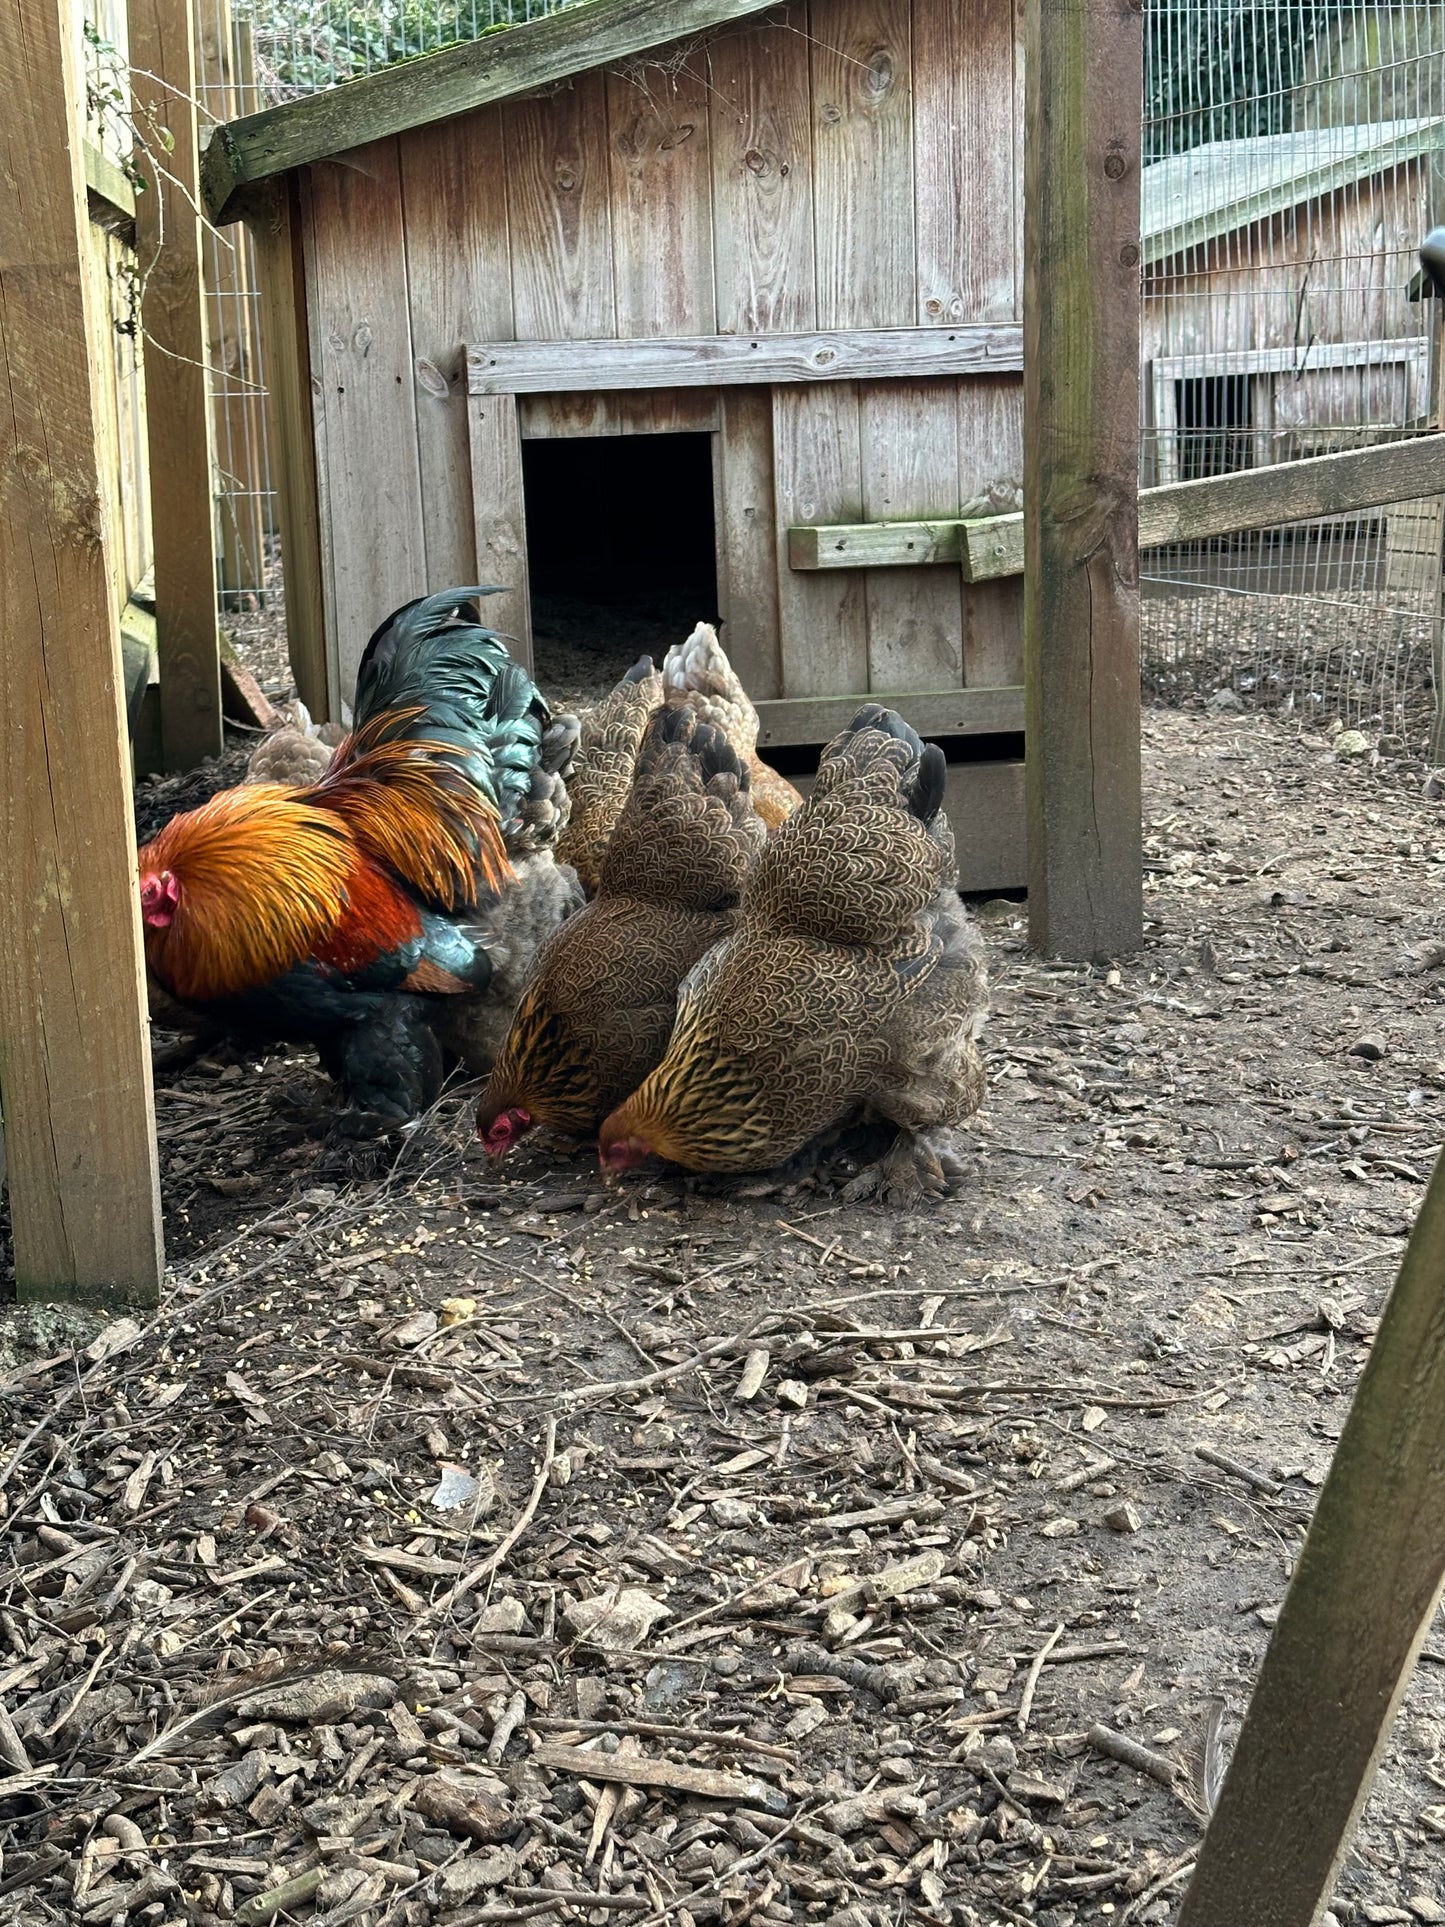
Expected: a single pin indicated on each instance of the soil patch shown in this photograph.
(855, 1522)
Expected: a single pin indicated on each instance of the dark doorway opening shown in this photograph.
(1216, 427)
(621, 550)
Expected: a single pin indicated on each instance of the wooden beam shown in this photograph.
(286, 357)
(945, 712)
(875, 545)
(74, 1040)
(1311, 359)
(111, 196)
(173, 314)
(714, 361)
(1363, 1596)
(516, 60)
(1081, 473)
(1256, 498)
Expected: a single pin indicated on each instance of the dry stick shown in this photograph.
(471, 1580)
(649, 1379)
(722, 1605)
(661, 1730)
(1104, 1739)
(1259, 1480)
(1031, 1681)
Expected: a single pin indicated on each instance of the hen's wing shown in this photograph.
(783, 1028)
(605, 758)
(697, 672)
(599, 1012)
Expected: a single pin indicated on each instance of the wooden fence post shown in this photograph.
(173, 312)
(1362, 1598)
(74, 1041)
(1081, 469)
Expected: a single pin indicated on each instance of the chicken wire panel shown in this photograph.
(247, 541)
(302, 46)
(1294, 160)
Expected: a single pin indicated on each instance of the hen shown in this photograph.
(610, 735)
(346, 912)
(854, 982)
(697, 672)
(598, 1014)
(297, 752)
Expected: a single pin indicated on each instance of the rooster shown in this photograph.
(346, 913)
(598, 1013)
(853, 984)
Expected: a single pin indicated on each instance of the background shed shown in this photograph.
(673, 282)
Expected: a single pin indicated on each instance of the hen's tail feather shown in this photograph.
(867, 853)
(688, 832)
(640, 670)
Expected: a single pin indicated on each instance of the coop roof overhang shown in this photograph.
(1200, 196)
(434, 87)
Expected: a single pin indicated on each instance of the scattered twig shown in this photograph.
(1031, 1679)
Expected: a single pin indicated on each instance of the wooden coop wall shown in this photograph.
(1312, 307)
(839, 169)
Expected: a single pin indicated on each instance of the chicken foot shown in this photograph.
(916, 1167)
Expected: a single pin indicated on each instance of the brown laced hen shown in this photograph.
(603, 764)
(853, 984)
(697, 672)
(598, 1014)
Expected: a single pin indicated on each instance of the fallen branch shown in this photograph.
(590, 1763)
(1128, 1752)
(1031, 1681)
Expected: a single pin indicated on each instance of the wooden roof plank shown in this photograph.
(499, 66)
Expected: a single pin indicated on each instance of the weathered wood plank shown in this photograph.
(909, 437)
(746, 541)
(422, 92)
(1081, 468)
(932, 712)
(708, 361)
(762, 179)
(361, 332)
(499, 505)
(661, 201)
(818, 477)
(1364, 1593)
(459, 287)
(559, 211)
(79, 1127)
(991, 469)
(875, 545)
(1255, 498)
(651, 411)
(1310, 359)
(963, 83)
(173, 312)
(286, 354)
(863, 164)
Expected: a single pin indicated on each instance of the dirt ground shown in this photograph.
(484, 1545)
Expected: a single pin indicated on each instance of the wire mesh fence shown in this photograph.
(1295, 158)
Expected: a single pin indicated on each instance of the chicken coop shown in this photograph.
(714, 307)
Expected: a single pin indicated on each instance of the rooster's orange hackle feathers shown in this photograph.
(264, 875)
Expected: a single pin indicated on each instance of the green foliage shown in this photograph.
(1224, 69)
(303, 45)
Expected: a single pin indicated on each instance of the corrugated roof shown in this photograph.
(1193, 198)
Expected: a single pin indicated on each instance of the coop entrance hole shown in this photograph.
(1215, 425)
(621, 550)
